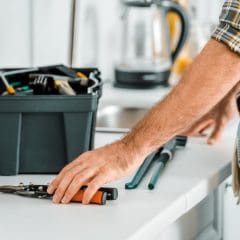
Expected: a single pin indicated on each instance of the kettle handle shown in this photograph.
(171, 6)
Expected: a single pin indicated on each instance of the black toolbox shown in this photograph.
(40, 134)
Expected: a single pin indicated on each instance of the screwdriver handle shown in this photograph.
(10, 90)
(99, 198)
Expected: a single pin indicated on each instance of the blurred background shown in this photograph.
(74, 32)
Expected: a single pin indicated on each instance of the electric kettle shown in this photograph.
(146, 58)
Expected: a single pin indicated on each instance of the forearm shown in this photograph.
(212, 75)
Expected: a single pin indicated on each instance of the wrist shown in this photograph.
(141, 142)
(135, 146)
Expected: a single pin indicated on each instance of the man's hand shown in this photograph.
(216, 119)
(94, 169)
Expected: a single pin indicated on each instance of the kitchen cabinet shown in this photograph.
(231, 212)
(200, 223)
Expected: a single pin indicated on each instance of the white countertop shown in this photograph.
(134, 98)
(137, 214)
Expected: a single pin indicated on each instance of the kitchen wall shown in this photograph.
(39, 32)
(15, 43)
(96, 39)
(35, 32)
(51, 31)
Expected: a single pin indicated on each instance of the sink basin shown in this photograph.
(119, 118)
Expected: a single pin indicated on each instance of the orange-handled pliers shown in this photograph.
(40, 191)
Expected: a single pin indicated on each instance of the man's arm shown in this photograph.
(212, 75)
(227, 32)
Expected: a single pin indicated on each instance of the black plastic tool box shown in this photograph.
(42, 133)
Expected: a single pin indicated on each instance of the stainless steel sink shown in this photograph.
(116, 117)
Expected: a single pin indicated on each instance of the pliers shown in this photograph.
(40, 191)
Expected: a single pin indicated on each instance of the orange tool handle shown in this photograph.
(99, 197)
(11, 90)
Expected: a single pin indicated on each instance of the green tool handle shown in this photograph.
(161, 163)
(140, 173)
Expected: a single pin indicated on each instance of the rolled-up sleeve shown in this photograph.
(228, 30)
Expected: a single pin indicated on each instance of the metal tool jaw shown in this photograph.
(31, 190)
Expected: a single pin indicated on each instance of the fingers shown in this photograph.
(70, 185)
(217, 132)
(79, 180)
(104, 176)
(64, 181)
(200, 127)
(210, 125)
(55, 183)
(93, 186)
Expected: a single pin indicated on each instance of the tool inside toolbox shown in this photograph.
(49, 80)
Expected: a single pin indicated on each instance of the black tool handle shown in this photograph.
(112, 193)
(171, 146)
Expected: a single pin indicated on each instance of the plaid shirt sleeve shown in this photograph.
(228, 30)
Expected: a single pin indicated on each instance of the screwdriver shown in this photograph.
(165, 156)
(83, 77)
(9, 88)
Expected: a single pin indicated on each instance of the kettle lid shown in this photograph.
(138, 3)
(141, 3)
